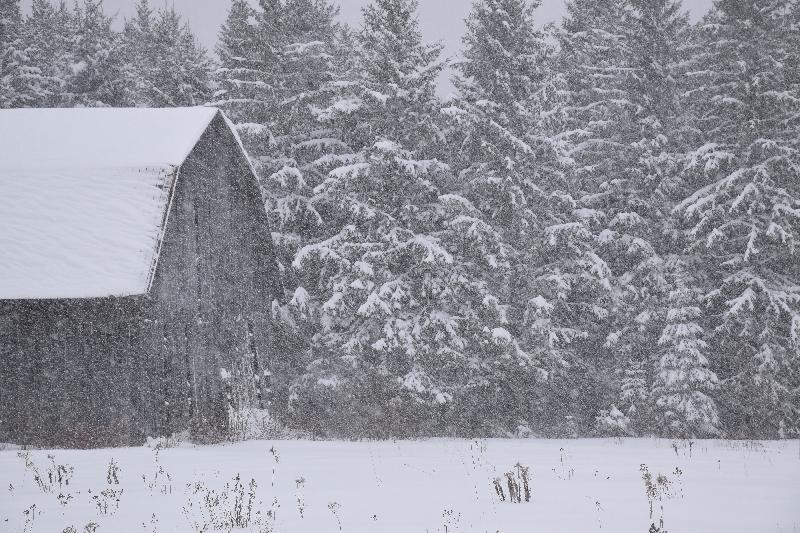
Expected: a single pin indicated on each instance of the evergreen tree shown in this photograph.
(395, 91)
(622, 77)
(95, 60)
(600, 127)
(657, 33)
(642, 232)
(567, 314)
(500, 156)
(502, 84)
(18, 77)
(243, 75)
(515, 167)
(179, 67)
(167, 66)
(744, 218)
(48, 36)
(303, 141)
(593, 58)
(315, 66)
(141, 52)
(411, 342)
(683, 389)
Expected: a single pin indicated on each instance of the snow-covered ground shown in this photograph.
(426, 486)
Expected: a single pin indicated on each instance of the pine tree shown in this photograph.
(95, 60)
(514, 166)
(600, 126)
(499, 155)
(593, 59)
(48, 36)
(140, 49)
(657, 31)
(248, 60)
(315, 65)
(19, 79)
(622, 79)
(303, 141)
(641, 232)
(684, 386)
(9, 53)
(503, 158)
(411, 341)
(180, 67)
(251, 81)
(744, 217)
(566, 315)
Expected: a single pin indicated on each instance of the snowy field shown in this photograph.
(427, 486)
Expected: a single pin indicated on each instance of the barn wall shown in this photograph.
(69, 370)
(213, 290)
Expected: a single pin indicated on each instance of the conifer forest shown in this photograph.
(596, 234)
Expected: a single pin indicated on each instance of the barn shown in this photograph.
(137, 275)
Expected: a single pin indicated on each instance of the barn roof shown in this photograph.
(84, 196)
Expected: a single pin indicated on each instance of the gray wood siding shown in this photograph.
(216, 280)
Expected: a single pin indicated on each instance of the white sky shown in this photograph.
(441, 20)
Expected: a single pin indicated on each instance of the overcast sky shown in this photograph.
(441, 20)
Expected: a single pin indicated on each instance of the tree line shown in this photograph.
(596, 236)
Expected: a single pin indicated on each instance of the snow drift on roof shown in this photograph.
(84, 138)
(84, 195)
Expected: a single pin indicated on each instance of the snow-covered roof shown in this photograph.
(84, 195)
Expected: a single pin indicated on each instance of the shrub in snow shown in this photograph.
(658, 489)
(251, 424)
(173, 441)
(234, 506)
(613, 422)
(91, 527)
(518, 483)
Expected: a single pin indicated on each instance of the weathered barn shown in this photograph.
(137, 272)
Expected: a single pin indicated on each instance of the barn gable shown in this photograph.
(85, 197)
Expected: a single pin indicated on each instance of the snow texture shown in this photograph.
(84, 195)
(437, 486)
